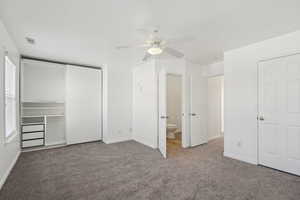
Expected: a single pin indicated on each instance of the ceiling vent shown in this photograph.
(30, 40)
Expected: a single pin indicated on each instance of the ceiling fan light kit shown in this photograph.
(154, 50)
(156, 46)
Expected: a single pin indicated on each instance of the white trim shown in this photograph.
(241, 157)
(11, 137)
(62, 142)
(105, 133)
(6, 174)
(8, 138)
(185, 134)
(145, 142)
(215, 137)
(44, 148)
(117, 140)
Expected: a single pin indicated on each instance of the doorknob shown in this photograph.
(193, 114)
(261, 118)
(164, 117)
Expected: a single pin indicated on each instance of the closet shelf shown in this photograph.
(33, 123)
(43, 108)
(44, 102)
(32, 116)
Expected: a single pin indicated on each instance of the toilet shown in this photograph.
(171, 130)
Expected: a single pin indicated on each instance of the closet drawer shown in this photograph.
(33, 143)
(32, 135)
(31, 128)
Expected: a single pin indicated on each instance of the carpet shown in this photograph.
(132, 171)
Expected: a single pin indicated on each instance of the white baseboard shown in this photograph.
(215, 137)
(6, 174)
(241, 157)
(116, 140)
(44, 147)
(145, 143)
(56, 143)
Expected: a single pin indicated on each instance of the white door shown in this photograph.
(214, 107)
(162, 110)
(279, 114)
(198, 108)
(83, 104)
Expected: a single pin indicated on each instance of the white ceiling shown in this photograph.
(87, 31)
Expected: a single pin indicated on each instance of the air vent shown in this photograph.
(30, 40)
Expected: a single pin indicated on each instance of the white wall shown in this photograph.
(214, 69)
(9, 152)
(145, 104)
(174, 99)
(214, 106)
(240, 87)
(117, 94)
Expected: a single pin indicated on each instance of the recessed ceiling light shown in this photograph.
(30, 40)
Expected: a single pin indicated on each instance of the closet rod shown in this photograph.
(58, 62)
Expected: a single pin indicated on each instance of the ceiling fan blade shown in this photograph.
(173, 52)
(181, 40)
(148, 30)
(123, 47)
(133, 46)
(144, 31)
(147, 56)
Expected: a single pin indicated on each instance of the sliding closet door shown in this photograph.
(83, 104)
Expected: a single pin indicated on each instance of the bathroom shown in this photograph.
(174, 113)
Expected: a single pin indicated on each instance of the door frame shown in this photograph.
(185, 134)
(182, 119)
(222, 117)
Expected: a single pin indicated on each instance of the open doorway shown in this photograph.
(174, 113)
(215, 109)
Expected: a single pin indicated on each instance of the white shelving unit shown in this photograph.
(33, 132)
(49, 114)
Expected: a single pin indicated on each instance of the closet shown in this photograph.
(60, 104)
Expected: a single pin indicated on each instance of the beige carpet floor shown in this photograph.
(132, 171)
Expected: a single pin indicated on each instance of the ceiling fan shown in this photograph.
(155, 46)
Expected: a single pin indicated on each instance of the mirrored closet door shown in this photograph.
(83, 104)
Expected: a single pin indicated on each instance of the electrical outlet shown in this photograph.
(239, 144)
